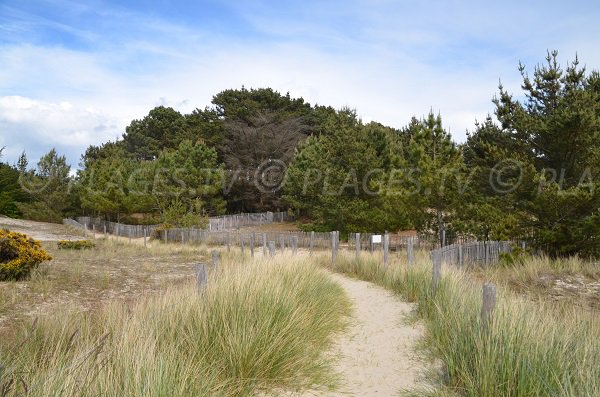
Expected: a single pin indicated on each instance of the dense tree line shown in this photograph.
(528, 171)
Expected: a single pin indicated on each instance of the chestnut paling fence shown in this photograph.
(465, 252)
(219, 223)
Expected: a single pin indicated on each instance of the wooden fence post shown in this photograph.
(201, 276)
(182, 237)
(271, 248)
(94, 230)
(371, 244)
(145, 238)
(85, 229)
(228, 242)
(386, 248)
(166, 236)
(312, 242)
(282, 242)
(294, 245)
(410, 251)
(333, 247)
(264, 238)
(252, 238)
(485, 253)
(489, 302)
(437, 271)
(460, 255)
(129, 233)
(105, 236)
(216, 259)
(242, 244)
(357, 238)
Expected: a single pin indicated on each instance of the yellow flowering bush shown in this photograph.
(75, 244)
(19, 255)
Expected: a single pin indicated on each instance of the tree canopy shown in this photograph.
(527, 171)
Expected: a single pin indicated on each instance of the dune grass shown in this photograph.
(529, 349)
(256, 327)
(567, 281)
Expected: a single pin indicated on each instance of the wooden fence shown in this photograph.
(473, 253)
(225, 222)
(466, 254)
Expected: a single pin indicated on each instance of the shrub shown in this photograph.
(75, 244)
(19, 255)
(158, 232)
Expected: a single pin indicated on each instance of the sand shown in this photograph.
(376, 355)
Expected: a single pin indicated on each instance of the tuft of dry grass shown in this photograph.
(566, 281)
(255, 327)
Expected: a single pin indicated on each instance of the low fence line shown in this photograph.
(466, 254)
(473, 253)
(219, 223)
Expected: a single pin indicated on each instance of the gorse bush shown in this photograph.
(19, 255)
(75, 244)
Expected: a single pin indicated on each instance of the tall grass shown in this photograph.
(254, 327)
(527, 350)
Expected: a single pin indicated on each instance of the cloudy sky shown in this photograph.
(75, 73)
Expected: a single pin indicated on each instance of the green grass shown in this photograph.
(256, 327)
(530, 348)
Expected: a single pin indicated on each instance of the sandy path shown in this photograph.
(377, 354)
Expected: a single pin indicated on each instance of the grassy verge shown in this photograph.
(530, 349)
(567, 281)
(89, 278)
(255, 327)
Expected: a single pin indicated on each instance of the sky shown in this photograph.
(75, 73)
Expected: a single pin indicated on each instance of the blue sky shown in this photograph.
(75, 73)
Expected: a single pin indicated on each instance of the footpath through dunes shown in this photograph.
(376, 355)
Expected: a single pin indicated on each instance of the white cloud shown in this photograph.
(37, 126)
(390, 62)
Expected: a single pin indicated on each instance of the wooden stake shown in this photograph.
(271, 248)
(489, 303)
(201, 276)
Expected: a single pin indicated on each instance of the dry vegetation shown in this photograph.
(569, 281)
(258, 326)
(531, 348)
(88, 278)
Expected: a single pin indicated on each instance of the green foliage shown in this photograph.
(189, 176)
(163, 128)
(19, 255)
(114, 183)
(244, 104)
(433, 187)
(11, 194)
(332, 178)
(49, 187)
(542, 162)
(75, 244)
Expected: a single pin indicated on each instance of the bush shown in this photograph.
(19, 255)
(75, 244)
(158, 233)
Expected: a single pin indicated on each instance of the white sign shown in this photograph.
(376, 239)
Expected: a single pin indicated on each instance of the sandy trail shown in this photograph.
(377, 354)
